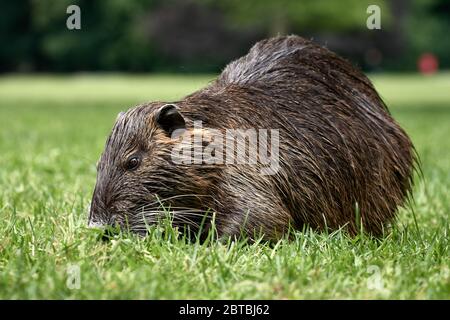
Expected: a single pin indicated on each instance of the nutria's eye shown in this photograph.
(132, 163)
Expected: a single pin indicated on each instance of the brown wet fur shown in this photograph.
(341, 152)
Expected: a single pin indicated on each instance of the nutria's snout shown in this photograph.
(106, 230)
(342, 161)
(99, 217)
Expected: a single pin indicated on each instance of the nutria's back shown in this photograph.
(342, 158)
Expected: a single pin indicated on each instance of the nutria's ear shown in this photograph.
(169, 119)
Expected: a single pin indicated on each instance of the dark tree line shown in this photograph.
(203, 35)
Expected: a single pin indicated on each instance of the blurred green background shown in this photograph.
(203, 35)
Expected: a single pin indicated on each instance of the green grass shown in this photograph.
(52, 130)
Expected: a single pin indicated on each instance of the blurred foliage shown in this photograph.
(429, 25)
(280, 17)
(203, 35)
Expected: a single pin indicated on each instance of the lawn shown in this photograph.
(52, 130)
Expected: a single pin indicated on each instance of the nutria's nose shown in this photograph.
(107, 232)
(96, 224)
(94, 215)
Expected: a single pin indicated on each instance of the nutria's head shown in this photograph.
(136, 175)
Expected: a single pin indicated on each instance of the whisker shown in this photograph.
(161, 201)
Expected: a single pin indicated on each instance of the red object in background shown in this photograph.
(428, 63)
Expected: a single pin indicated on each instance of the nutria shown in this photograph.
(343, 160)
